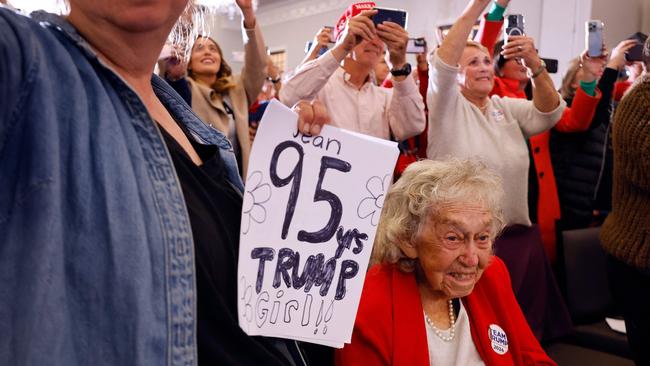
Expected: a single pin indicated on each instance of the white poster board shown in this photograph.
(311, 209)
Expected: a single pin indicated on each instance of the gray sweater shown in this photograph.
(457, 128)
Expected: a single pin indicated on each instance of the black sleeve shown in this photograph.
(604, 107)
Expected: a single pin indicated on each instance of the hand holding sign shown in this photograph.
(308, 225)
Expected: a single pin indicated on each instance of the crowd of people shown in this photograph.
(121, 191)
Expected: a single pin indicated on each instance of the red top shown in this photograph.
(505, 87)
(390, 327)
(576, 118)
(620, 87)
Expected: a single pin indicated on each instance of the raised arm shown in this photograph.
(310, 78)
(253, 73)
(545, 97)
(321, 39)
(491, 24)
(578, 117)
(453, 45)
(607, 81)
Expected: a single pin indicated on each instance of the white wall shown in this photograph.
(622, 18)
(292, 36)
(562, 36)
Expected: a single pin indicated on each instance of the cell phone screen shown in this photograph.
(390, 15)
(551, 65)
(416, 45)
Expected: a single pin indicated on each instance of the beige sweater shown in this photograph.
(457, 128)
(208, 104)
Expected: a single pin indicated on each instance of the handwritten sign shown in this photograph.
(311, 209)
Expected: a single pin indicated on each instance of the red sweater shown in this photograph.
(390, 328)
(574, 119)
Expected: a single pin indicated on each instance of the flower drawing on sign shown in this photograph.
(371, 206)
(255, 196)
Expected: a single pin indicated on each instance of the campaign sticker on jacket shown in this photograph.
(310, 214)
(498, 115)
(498, 339)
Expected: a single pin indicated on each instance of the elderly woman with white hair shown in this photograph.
(436, 294)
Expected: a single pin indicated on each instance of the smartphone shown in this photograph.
(551, 65)
(331, 32)
(636, 53)
(594, 37)
(514, 26)
(390, 15)
(416, 45)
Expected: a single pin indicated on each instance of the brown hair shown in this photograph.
(567, 90)
(224, 80)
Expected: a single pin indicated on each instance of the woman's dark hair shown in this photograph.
(224, 80)
(646, 54)
(499, 60)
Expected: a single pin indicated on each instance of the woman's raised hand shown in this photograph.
(522, 47)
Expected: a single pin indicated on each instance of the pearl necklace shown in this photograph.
(452, 321)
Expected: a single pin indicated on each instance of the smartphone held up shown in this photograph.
(594, 37)
(390, 15)
(514, 26)
(416, 45)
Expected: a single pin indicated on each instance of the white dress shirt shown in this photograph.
(371, 110)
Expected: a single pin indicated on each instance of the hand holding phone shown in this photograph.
(325, 34)
(356, 29)
(396, 39)
(594, 40)
(390, 15)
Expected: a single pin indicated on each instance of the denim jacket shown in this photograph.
(96, 250)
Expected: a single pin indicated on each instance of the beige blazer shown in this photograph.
(208, 104)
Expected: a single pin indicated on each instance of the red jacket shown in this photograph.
(390, 328)
(574, 119)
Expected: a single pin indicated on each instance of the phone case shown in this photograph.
(514, 26)
(390, 15)
(594, 38)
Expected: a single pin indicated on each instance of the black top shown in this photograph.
(182, 87)
(582, 163)
(214, 208)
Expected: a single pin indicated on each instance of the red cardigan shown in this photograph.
(576, 118)
(390, 328)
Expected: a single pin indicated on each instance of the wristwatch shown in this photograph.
(538, 72)
(404, 71)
